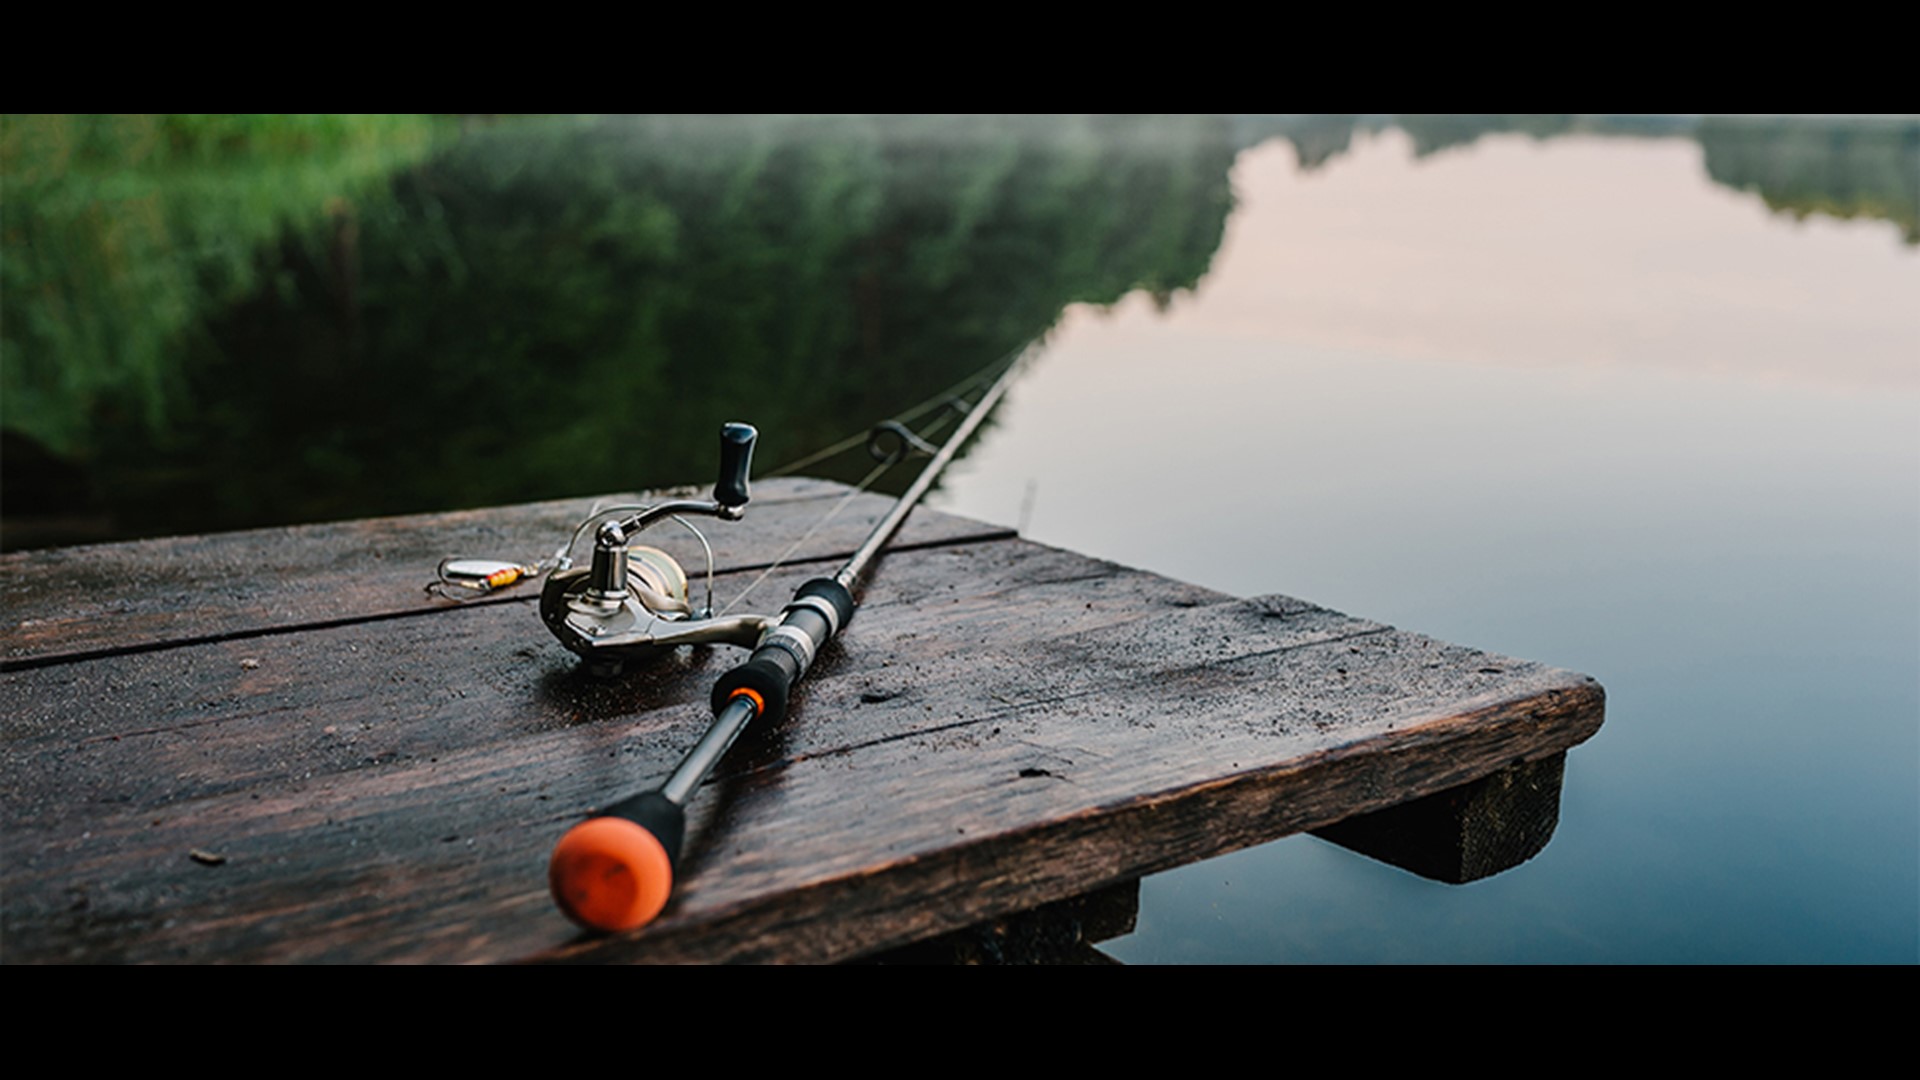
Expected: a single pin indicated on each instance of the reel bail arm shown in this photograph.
(633, 600)
(729, 503)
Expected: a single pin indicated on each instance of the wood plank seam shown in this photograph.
(895, 807)
(81, 656)
(1013, 709)
(1072, 846)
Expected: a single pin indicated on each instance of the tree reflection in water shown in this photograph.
(213, 324)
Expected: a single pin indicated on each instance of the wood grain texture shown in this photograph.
(73, 602)
(1003, 725)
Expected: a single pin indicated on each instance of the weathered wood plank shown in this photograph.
(277, 718)
(1178, 763)
(962, 752)
(74, 602)
(188, 722)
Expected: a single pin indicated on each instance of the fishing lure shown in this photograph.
(480, 576)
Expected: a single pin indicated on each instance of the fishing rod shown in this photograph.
(615, 870)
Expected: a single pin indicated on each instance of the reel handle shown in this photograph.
(614, 872)
(736, 461)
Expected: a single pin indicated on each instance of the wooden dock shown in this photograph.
(273, 746)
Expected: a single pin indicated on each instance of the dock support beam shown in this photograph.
(1465, 833)
(1063, 932)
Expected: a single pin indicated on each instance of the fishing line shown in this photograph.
(909, 443)
(944, 397)
(818, 524)
(482, 576)
(479, 577)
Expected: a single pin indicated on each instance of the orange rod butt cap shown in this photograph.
(610, 874)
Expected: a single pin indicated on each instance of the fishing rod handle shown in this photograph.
(614, 871)
(819, 610)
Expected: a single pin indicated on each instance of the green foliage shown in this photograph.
(122, 232)
(556, 306)
(1843, 168)
(234, 320)
(1867, 169)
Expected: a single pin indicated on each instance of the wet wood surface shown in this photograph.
(321, 763)
(74, 602)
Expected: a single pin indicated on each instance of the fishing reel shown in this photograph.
(632, 602)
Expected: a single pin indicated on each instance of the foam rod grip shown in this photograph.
(614, 872)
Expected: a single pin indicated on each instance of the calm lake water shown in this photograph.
(1572, 401)
(1637, 397)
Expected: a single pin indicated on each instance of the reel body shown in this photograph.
(633, 601)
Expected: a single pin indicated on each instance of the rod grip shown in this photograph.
(787, 650)
(768, 675)
(614, 871)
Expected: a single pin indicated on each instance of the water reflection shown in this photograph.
(1865, 170)
(122, 232)
(1566, 399)
(406, 314)
(1565, 387)
(557, 307)
(1842, 168)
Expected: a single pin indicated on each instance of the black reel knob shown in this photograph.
(736, 461)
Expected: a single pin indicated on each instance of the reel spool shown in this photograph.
(633, 602)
